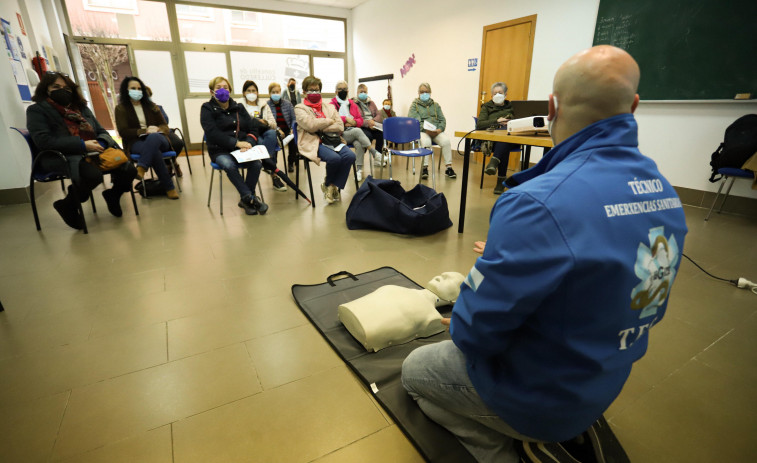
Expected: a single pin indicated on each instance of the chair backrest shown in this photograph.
(28, 137)
(401, 129)
(163, 112)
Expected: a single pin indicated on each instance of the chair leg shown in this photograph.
(483, 169)
(433, 173)
(715, 200)
(220, 188)
(62, 186)
(727, 192)
(134, 201)
(210, 190)
(260, 190)
(81, 212)
(186, 152)
(297, 179)
(389, 161)
(173, 163)
(310, 182)
(92, 200)
(202, 152)
(354, 172)
(34, 203)
(439, 167)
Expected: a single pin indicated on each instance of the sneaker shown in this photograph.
(491, 168)
(500, 188)
(336, 193)
(258, 204)
(450, 173)
(246, 204)
(424, 172)
(278, 184)
(360, 175)
(376, 158)
(327, 193)
(69, 212)
(113, 200)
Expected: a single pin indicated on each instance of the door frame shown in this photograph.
(513, 22)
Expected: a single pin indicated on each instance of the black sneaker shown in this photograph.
(113, 200)
(69, 212)
(450, 173)
(246, 204)
(258, 204)
(278, 184)
(424, 172)
(291, 168)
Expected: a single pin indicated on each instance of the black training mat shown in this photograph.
(380, 371)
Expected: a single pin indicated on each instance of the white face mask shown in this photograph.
(498, 98)
(549, 123)
(252, 97)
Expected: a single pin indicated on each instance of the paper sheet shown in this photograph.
(287, 139)
(428, 126)
(253, 154)
(378, 126)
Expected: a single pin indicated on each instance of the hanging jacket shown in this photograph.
(577, 268)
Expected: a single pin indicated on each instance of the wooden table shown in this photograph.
(496, 136)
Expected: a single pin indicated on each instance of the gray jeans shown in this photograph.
(359, 141)
(436, 377)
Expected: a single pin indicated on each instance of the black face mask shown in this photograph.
(291, 88)
(62, 96)
(342, 94)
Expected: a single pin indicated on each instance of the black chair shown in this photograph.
(181, 134)
(37, 175)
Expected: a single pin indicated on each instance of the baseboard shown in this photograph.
(740, 205)
(14, 196)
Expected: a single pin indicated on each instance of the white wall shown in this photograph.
(444, 34)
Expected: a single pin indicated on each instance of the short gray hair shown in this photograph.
(342, 82)
(499, 84)
(424, 84)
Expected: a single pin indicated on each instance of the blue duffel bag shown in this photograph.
(385, 205)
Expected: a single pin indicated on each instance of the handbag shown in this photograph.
(330, 139)
(109, 159)
(384, 205)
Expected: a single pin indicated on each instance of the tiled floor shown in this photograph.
(173, 337)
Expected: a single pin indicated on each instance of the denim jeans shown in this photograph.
(359, 141)
(437, 378)
(245, 186)
(150, 150)
(338, 165)
(270, 141)
(502, 152)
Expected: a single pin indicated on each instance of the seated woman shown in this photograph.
(281, 112)
(353, 121)
(60, 120)
(177, 143)
(495, 113)
(369, 113)
(425, 109)
(314, 117)
(252, 104)
(143, 130)
(229, 127)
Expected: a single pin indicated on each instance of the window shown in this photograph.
(264, 68)
(194, 13)
(130, 19)
(247, 19)
(330, 71)
(203, 66)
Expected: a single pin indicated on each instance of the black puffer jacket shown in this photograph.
(220, 126)
(49, 130)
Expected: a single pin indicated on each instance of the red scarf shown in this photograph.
(76, 123)
(388, 113)
(316, 107)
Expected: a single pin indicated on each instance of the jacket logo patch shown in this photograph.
(474, 278)
(655, 267)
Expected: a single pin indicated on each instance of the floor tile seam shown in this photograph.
(310, 375)
(349, 444)
(215, 407)
(60, 425)
(254, 367)
(723, 336)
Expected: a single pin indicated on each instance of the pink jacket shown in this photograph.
(308, 125)
(354, 111)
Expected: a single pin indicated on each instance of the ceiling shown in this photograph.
(348, 4)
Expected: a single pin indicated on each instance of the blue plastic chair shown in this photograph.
(733, 173)
(170, 155)
(401, 130)
(38, 175)
(181, 134)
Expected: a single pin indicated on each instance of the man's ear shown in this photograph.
(635, 103)
(552, 109)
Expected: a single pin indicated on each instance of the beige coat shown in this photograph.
(308, 125)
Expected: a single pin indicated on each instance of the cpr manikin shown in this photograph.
(395, 315)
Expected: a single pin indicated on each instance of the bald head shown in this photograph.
(593, 85)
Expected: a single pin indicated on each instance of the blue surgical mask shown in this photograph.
(276, 97)
(387, 107)
(135, 95)
(363, 96)
(425, 96)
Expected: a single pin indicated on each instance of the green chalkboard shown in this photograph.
(686, 49)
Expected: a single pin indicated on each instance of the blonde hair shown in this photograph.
(424, 84)
(273, 85)
(214, 81)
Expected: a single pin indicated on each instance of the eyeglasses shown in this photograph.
(310, 92)
(57, 73)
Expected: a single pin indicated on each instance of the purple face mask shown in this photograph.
(222, 95)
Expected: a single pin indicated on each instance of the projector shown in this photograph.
(533, 124)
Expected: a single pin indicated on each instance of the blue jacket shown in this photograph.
(578, 264)
(287, 110)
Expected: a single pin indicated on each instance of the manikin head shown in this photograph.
(446, 286)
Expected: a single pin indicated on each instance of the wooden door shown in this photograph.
(506, 57)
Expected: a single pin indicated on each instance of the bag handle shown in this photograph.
(345, 273)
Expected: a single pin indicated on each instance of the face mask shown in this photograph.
(62, 96)
(276, 97)
(342, 94)
(291, 88)
(387, 107)
(499, 98)
(314, 98)
(549, 123)
(252, 97)
(425, 96)
(222, 95)
(135, 95)
(363, 96)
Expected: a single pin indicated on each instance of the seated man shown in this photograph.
(576, 270)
